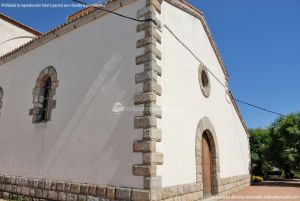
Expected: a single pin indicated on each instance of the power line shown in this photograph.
(194, 55)
(118, 14)
(260, 108)
(147, 20)
(217, 79)
(19, 37)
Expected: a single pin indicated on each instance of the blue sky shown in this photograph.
(259, 41)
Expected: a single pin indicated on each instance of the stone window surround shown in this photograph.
(38, 95)
(205, 89)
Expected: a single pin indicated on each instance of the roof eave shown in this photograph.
(20, 25)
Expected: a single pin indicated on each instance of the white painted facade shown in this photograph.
(9, 34)
(184, 105)
(85, 141)
(88, 139)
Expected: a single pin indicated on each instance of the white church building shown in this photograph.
(105, 107)
(14, 34)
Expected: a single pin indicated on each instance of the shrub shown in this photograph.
(257, 179)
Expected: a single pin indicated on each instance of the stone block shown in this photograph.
(60, 186)
(153, 110)
(144, 170)
(39, 193)
(25, 190)
(151, 48)
(30, 182)
(93, 190)
(111, 192)
(92, 198)
(18, 180)
(12, 178)
(155, 3)
(152, 86)
(145, 76)
(101, 190)
(71, 197)
(141, 195)
(146, 41)
(144, 146)
(52, 195)
(75, 188)
(47, 184)
(61, 196)
(145, 25)
(6, 180)
(144, 11)
(81, 198)
(7, 187)
(53, 185)
(35, 183)
(45, 194)
(153, 182)
(13, 188)
(152, 134)
(6, 195)
(152, 65)
(31, 192)
(123, 194)
(145, 122)
(153, 158)
(145, 58)
(84, 189)
(143, 98)
(41, 183)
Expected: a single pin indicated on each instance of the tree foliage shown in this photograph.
(259, 145)
(284, 151)
(277, 146)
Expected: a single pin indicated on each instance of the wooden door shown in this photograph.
(206, 166)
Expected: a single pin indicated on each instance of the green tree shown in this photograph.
(284, 149)
(259, 145)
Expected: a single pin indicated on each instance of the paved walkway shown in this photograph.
(271, 191)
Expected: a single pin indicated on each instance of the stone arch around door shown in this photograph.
(205, 126)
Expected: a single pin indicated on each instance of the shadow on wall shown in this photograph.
(96, 142)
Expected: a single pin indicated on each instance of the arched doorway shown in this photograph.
(207, 158)
(206, 166)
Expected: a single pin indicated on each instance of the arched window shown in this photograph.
(1, 97)
(43, 93)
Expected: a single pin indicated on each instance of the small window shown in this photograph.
(204, 81)
(43, 95)
(1, 97)
(47, 89)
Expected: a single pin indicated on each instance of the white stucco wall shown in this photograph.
(9, 31)
(85, 141)
(184, 105)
